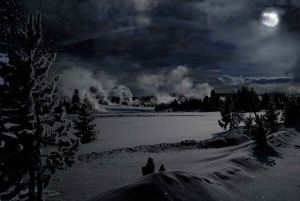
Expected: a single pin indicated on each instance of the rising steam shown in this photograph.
(101, 87)
(97, 86)
(176, 81)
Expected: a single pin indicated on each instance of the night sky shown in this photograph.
(166, 46)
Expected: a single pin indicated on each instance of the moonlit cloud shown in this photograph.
(176, 81)
(260, 83)
(142, 37)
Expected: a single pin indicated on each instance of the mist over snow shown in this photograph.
(95, 85)
(122, 92)
(176, 81)
(100, 86)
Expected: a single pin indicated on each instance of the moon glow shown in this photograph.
(270, 19)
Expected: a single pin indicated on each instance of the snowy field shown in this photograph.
(119, 130)
(240, 172)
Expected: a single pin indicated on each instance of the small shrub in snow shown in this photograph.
(149, 168)
(162, 168)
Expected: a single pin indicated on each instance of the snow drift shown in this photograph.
(243, 172)
(224, 174)
(168, 186)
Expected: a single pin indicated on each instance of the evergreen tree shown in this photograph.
(291, 112)
(271, 117)
(265, 101)
(248, 121)
(259, 131)
(247, 100)
(85, 125)
(226, 111)
(206, 104)
(149, 168)
(31, 119)
(76, 102)
(254, 101)
(215, 100)
(162, 168)
(67, 106)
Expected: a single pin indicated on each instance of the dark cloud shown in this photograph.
(241, 80)
(143, 36)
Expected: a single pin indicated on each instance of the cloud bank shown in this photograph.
(176, 81)
(141, 36)
(241, 80)
(100, 85)
(261, 84)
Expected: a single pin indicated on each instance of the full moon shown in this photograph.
(270, 19)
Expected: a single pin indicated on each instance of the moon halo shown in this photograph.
(270, 19)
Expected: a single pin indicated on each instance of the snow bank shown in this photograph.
(225, 139)
(233, 166)
(244, 172)
(169, 186)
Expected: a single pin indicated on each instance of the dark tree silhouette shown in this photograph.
(215, 101)
(246, 100)
(271, 117)
(31, 119)
(259, 131)
(76, 102)
(291, 112)
(67, 106)
(226, 111)
(248, 121)
(162, 168)
(265, 101)
(149, 168)
(85, 124)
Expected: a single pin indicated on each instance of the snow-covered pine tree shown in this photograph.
(76, 102)
(85, 124)
(271, 117)
(226, 111)
(248, 121)
(259, 130)
(35, 138)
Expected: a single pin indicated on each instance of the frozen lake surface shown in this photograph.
(128, 130)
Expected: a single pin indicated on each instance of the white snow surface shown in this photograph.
(119, 130)
(244, 172)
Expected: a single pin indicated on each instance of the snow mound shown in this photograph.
(169, 186)
(215, 182)
(243, 172)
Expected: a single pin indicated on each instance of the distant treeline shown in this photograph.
(245, 100)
